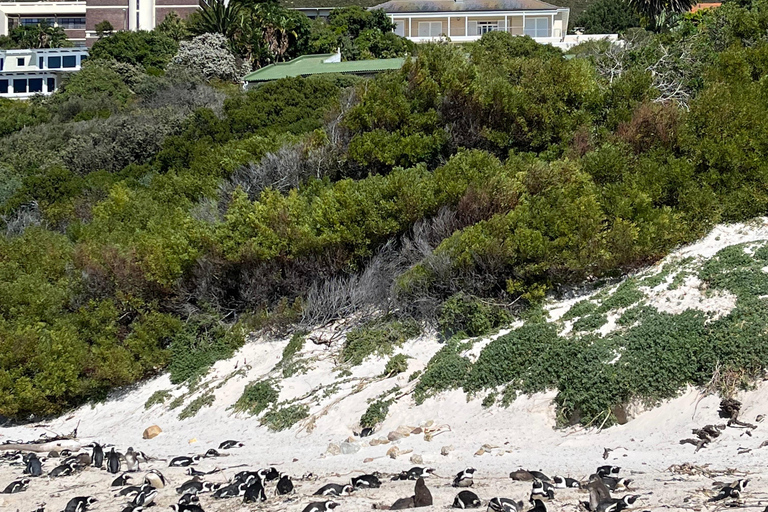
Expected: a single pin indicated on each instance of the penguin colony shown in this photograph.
(136, 490)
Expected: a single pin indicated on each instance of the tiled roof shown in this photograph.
(395, 6)
(314, 65)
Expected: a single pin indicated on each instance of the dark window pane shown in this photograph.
(20, 85)
(70, 61)
(40, 62)
(35, 85)
(3, 86)
(51, 84)
(54, 62)
(20, 61)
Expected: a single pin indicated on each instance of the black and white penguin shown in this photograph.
(464, 478)
(184, 461)
(34, 466)
(565, 482)
(538, 506)
(228, 445)
(540, 489)
(320, 506)
(541, 476)
(255, 492)
(614, 484)
(212, 453)
(188, 499)
(608, 471)
(370, 481)
(144, 498)
(248, 477)
(63, 470)
(505, 505)
(367, 431)
(80, 504)
(156, 479)
(97, 457)
(16, 486)
(131, 491)
(598, 491)
(616, 504)
(466, 499)
(40, 508)
(113, 461)
(334, 490)
(131, 508)
(269, 474)
(196, 487)
(122, 480)
(733, 490)
(285, 485)
(192, 507)
(414, 473)
(230, 491)
(131, 461)
(521, 475)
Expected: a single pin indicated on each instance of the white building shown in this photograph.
(24, 73)
(467, 20)
(68, 15)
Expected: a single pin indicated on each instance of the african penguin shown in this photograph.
(121, 480)
(542, 489)
(133, 490)
(187, 508)
(131, 508)
(320, 506)
(155, 478)
(34, 466)
(565, 482)
(334, 490)
(421, 495)
(196, 487)
(541, 476)
(730, 491)
(615, 483)
(505, 505)
(80, 504)
(366, 481)
(63, 470)
(188, 498)
(226, 445)
(616, 504)
(608, 470)
(466, 499)
(464, 478)
(184, 461)
(254, 492)
(97, 457)
(269, 474)
(17, 486)
(284, 485)
(538, 506)
(113, 461)
(212, 453)
(521, 475)
(598, 491)
(367, 431)
(144, 498)
(414, 473)
(131, 461)
(230, 491)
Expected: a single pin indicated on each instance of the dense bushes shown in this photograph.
(141, 209)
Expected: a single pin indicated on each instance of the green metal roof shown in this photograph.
(314, 65)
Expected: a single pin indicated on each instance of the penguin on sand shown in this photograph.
(320, 506)
(598, 491)
(17, 486)
(464, 478)
(466, 499)
(284, 485)
(80, 504)
(505, 505)
(113, 461)
(34, 466)
(97, 457)
(131, 460)
(421, 497)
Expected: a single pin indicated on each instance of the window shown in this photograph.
(31, 22)
(2, 63)
(51, 84)
(72, 23)
(69, 61)
(83, 58)
(400, 28)
(54, 62)
(41, 62)
(537, 27)
(19, 61)
(484, 27)
(430, 28)
(20, 85)
(35, 85)
(3, 86)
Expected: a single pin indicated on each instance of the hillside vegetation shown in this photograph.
(153, 214)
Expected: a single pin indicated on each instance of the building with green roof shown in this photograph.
(308, 65)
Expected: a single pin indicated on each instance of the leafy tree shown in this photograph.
(104, 28)
(174, 27)
(607, 17)
(142, 48)
(218, 17)
(42, 35)
(653, 10)
(208, 55)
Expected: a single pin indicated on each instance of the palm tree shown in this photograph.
(654, 9)
(221, 18)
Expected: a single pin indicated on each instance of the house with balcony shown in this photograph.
(24, 73)
(468, 20)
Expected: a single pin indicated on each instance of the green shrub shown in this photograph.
(283, 418)
(396, 365)
(376, 413)
(590, 322)
(257, 397)
(158, 397)
(201, 343)
(581, 308)
(204, 400)
(377, 337)
(446, 370)
(470, 315)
